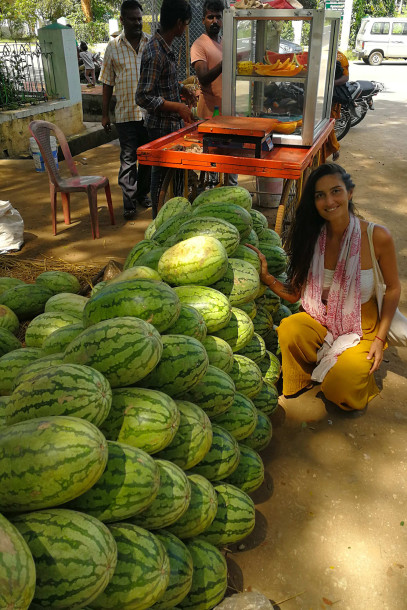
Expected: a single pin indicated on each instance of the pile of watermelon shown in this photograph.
(131, 422)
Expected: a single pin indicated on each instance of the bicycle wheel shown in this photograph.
(342, 125)
(360, 113)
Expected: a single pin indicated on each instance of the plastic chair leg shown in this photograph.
(53, 195)
(66, 206)
(93, 210)
(109, 203)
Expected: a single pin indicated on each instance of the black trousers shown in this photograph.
(134, 179)
(158, 174)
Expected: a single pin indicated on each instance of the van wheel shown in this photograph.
(366, 60)
(375, 58)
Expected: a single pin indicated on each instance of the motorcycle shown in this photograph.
(354, 109)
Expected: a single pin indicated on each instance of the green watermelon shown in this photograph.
(4, 400)
(48, 461)
(267, 399)
(172, 207)
(214, 393)
(181, 569)
(293, 307)
(269, 301)
(259, 221)
(169, 228)
(270, 367)
(222, 458)
(31, 369)
(235, 214)
(148, 300)
(235, 516)
(251, 239)
(182, 365)
(143, 246)
(201, 510)
(255, 349)
(152, 258)
(58, 281)
(137, 273)
(8, 319)
(151, 228)
(250, 308)
(240, 419)
(45, 324)
(240, 283)
(98, 287)
(222, 230)
(190, 322)
(128, 485)
(12, 363)
(249, 475)
(211, 304)
(26, 300)
(66, 302)
(262, 290)
(8, 342)
(9, 282)
(59, 339)
(124, 350)
(209, 580)
(220, 354)
(142, 418)
(75, 556)
(268, 237)
(238, 332)
(262, 434)
(276, 258)
(282, 312)
(193, 438)
(225, 194)
(246, 375)
(17, 569)
(171, 501)
(246, 254)
(271, 341)
(262, 322)
(197, 260)
(142, 572)
(67, 389)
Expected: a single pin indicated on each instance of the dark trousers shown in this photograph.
(158, 174)
(134, 181)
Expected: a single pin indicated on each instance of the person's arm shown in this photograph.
(205, 76)
(283, 291)
(107, 77)
(107, 93)
(341, 80)
(386, 256)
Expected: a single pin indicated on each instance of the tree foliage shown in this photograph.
(369, 8)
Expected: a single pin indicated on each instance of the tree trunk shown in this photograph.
(87, 11)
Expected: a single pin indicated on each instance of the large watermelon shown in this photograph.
(225, 194)
(26, 300)
(235, 214)
(4, 400)
(182, 365)
(240, 283)
(172, 207)
(137, 273)
(59, 340)
(222, 458)
(45, 324)
(67, 389)
(259, 221)
(250, 308)
(148, 300)
(214, 393)
(58, 281)
(48, 461)
(211, 304)
(255, 349)
(261, 436)
(209, 580)
(181, 569)
(193, 438)
(17, 569)
(270, 367)
(239, 330)
(137, 251)
(9, 320)
(168, 229)
(246, 254)
(267, 399)
(9, 282)
(246, 375)
(262, 322)
(152, 258)
(12, 363)
(269, 301)
(8, 342)
(220, 354)
(240, 419)
(66, 302)
(251, 239)
(142, 418)
(128, 485)
(222, 230)
(75, 556)
(276, 258)
(268, 237)
(124, 350)
(249, 475)
(31, 369)
(198, 260)
(282, 312)
(190, 322)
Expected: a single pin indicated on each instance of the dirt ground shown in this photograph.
(331, 524)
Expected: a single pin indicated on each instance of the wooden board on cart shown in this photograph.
(238, 125)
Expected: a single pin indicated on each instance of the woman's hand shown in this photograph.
(264, 272)
(376, 352)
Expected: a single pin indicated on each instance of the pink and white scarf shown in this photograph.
(342, 313)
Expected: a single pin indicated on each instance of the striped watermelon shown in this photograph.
(59, 340)
(246, 375)
(67, 389)
(45, 324)
(271, 341)
(282, 312)
(181, 569)
(4, 400)
(17, 569)
(67, 303)
(276, 258)
(209, 580)
(214, 393)
(183, 364)
(222, 458)
(260, 222)
(97, 287)
(31, 369)
(240, 419)
(75, 556)
(26, 300)
(250, 308)
(190, 322)
(262, 290)
(9, 282)
(293, 307)
(268, 237)
(238, 332)
(172, 207)
(8, 342)
(240, 283)
(267, 399)
(137, 273)
(211, 304)
(235, 214)
(222, 230)
(270, 367)
(146, 299)
(197, 260)
(235, 516)
(151, 228)
(12, 363)
(171, 501)
(249, 475)
(8, 319)
(201, 510)
(269, 301)
(255, 349)
(251, 239)
(128, 485)
(169, 228)
(246, 254)
(171, 241)
(142, 572)
(225, 194)
(70, 456)
(193, 438)
(143, 246)
(220, 354)
(262, 434)
(58, 281)
(124, 350)
(142, 418)
(152, 258)
(262, 322)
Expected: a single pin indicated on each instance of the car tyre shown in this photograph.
(375, 58)
(366, 60)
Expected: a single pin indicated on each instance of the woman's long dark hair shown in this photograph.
(308, 223)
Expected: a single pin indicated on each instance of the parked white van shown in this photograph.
(381, 38)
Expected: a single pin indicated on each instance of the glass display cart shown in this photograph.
(266, 74)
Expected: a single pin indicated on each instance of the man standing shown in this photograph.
(158, 91)
(121, 70)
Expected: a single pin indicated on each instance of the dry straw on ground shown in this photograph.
(28, 270)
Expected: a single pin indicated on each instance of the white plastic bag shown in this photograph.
(11, 228)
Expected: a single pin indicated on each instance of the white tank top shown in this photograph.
(367, 286)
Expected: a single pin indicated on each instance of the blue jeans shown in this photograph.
(158, 174)
(134, 181)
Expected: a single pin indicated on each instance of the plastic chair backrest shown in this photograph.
(41, 131)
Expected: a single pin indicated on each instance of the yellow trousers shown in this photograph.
(348, 383)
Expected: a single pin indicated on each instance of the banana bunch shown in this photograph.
(245, 67)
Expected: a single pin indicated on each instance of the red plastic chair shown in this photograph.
(41, 131)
